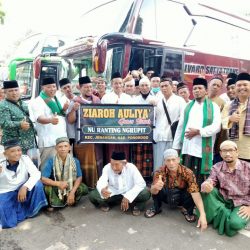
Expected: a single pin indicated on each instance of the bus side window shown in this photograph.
(24, 71)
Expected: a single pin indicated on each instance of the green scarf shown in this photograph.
(55, 107)
(208, 114)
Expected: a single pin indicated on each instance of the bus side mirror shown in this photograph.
(99, 56)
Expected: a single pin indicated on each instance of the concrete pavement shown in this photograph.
(86, 228)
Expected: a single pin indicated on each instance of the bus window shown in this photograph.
(172, 65)
(49, 71)
(144, 58)
(114, 61)
(24, 72)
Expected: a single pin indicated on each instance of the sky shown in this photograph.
(57, 16)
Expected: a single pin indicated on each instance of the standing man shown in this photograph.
(21, 192)
(236, 116)
(49, 117)
(143, 153)
(116, 96)
(68, 96)
(121, 183)
(171, 105)
(196, 132)
(90, 155)
(231, 90)
(155, 85)
(214, 90)
(15, 119)
(226, 192)
(183, 91)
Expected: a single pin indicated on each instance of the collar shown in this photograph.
(225, 168)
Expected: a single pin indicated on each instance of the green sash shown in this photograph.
(208, 114)
(55, 107)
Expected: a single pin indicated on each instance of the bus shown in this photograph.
(41, 61)
(172, 37)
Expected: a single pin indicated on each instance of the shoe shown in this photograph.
(189, 217)
(105, 208)
(151, 212)
(136, 211)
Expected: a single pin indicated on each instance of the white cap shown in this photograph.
(170, 152)
(228, 143)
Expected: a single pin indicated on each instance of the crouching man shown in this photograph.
(62, 177)
(120, 183)
(21, 192)
(176, 185)
(226, 194)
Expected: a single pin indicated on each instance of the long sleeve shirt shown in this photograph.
(194, 146)
(175, 106)
(26, 174)
(243, 143)
(129, 183)
(233, 185)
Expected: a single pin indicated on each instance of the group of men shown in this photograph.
(202, 122)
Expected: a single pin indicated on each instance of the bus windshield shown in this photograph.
(105, 18)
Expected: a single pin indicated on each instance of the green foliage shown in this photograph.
(2, 14)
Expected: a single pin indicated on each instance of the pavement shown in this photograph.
(84, 227)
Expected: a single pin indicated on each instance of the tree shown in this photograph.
(2, 14)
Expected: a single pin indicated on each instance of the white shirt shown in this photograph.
(47, 133)
(194, 146)
(175, 106)
(225, 97)
(26, 174)
(150, 99)
(129, 183)
(113, 98)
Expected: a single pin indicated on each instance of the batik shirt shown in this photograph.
(10, 122)
(184, 178)
(233, 185)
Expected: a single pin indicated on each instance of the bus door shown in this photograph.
(173, 64)
(24, 73)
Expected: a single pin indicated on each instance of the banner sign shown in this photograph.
(108, 123)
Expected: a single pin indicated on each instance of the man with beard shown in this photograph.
(196, 132)
(120, 183)
(226, 192)
(89, 155)
(143, 153)
(236, 116)
(49, 117)
(116, 96)
(66, 89)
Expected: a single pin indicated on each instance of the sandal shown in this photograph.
(189, 217)
(136, 211)
(105, 208)
(151, 212)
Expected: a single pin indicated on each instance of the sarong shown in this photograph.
(143, 158)
(12, 212)
(54, 201)
(194, 163)
(222, 213)
(87, 157)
